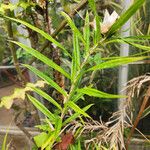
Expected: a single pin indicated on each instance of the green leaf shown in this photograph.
(86, 32)
(47, 97)
(96, 93)
(146, 112)
(49, 142)
(143, 47)
(97, 32)
(77, 109)
(93, 6)
(75, 115)
(76, 83)
(41, 108)
(76, 57)
(58, 126)
(73, 27)
(4, 144)
(76, 97)
(41, 32)
(47, 79)
(116, 62)
(126, 16)
(43, 58)
(40, 139)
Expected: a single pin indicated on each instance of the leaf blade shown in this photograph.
(77, 109)
(43, 58)
(47, 79)
(96, 93)
(73, 27)
(115, 63)
(46, 96)
(126, 16)
(41, 32)
(41, 107)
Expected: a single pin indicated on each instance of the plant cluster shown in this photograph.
(67, 122)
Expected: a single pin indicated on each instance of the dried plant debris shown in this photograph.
(112, 133)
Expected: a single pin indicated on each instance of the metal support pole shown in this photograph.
(124, 51)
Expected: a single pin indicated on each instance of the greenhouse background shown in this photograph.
(19, 118)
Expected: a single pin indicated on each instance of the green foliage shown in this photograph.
(126, 16)
(81, 65)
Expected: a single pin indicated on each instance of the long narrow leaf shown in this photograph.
(86, 32)
(41, 107)
(126, 16)
(47, 97)
(96, 93)
(146, 112)
(77, 109)
(143, 47)
(76, 57)
(43, 58)
(76, 115)
(76, 97)
(97, 32)
(47, 79)
(73, 27)
(116, 62)
(93, 6)
(41, 32)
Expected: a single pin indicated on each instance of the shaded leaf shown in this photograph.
(86, 32)
(146, 112)
(76, 57)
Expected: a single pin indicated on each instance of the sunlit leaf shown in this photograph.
(77, 109)
(43, 58)
(125, 16)
(73, 27)
(76, 115)
(41, 108)
(47, 79)
(47, 97)
(96, 93)
(41, 32)
(40, 139)
(116, 62)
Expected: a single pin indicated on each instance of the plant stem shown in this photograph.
(142, 108)
(12, 46)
